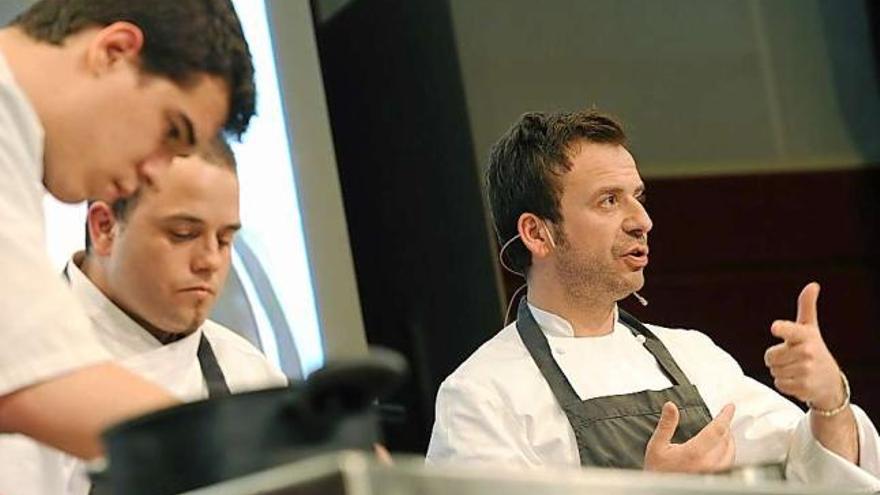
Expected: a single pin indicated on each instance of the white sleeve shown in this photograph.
(31, 468)
(763, 421)
(810, 462)
(767, 427)
(43, 330)
(473, 425)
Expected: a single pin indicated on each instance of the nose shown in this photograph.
(153, 165)
(208, 256)
(638, 223)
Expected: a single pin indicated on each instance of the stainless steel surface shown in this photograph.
(354, 473)
(757, 473)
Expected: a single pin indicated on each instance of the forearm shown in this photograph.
(838, 433)
(70, 411)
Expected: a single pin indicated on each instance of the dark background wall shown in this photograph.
(421, 245)
(732, 266)
(753, 123)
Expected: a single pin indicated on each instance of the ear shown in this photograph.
(102, 226)
(114, 43)
(533, 232)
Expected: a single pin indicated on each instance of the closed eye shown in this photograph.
(224, 241)
(182, 236)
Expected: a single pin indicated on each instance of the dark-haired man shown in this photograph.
(577, 381)
(153, 269)
(95, 97)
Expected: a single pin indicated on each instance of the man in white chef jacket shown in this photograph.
(95, 96)
(577, 381)
(152, 272)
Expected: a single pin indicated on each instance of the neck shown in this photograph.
(588, 316)
(162, 336)
(94, 271)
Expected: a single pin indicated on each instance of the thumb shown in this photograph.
(667, 425)
(806, 308)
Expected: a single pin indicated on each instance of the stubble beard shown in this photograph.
(198, 318)
(588, 280)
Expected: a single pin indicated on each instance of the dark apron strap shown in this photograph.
(211, 370)
(537, 345)
(656, 348)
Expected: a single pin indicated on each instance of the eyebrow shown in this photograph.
(183, 217)
(618, 190)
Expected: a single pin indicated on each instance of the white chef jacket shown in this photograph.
(43, 331)
(29, 468)
(498, 408)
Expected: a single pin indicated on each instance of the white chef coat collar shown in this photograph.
(123, 336)
(556, 326)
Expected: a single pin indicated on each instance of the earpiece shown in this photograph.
(549, 235)
(514, 238)
(501, 258)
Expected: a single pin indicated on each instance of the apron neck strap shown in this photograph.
(656, 348)
(536, 343)
(211, 370)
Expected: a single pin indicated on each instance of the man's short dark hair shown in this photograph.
(182, 39)
(216, 152)
(525, 166)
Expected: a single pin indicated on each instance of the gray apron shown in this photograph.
(613, 431)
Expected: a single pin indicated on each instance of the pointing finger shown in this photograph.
(789, 331)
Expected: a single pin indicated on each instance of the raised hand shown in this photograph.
(801, 365)
(712, 449)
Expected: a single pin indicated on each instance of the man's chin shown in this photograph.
(65, 194)
(195, 324)
(640, 283)
(633, 282)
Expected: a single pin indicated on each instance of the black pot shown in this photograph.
(202, 443)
